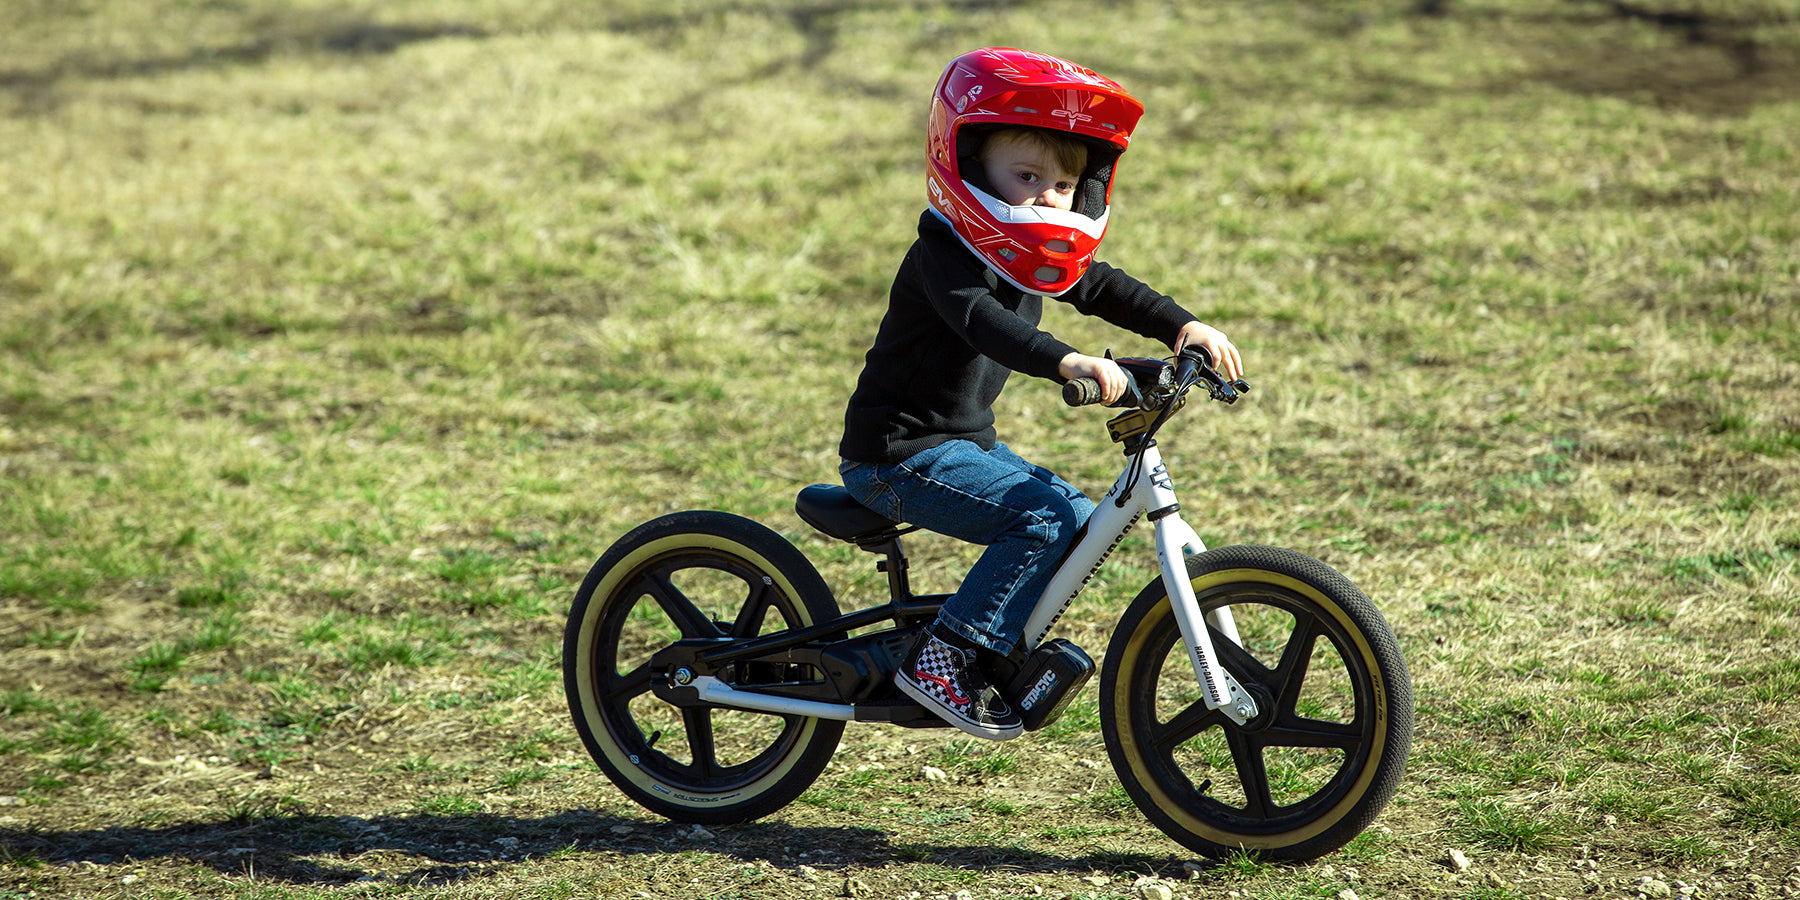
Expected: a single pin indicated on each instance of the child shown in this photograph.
(1021, 148)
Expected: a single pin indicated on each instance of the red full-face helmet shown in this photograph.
(1039, 249)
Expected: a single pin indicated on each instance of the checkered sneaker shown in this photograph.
(944, 679)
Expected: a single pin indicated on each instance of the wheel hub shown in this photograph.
(1265, 707)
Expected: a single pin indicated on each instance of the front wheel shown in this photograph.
(1328, 746)
(692, 575)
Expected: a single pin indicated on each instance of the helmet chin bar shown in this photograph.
(1048, 216)
(1040, 215)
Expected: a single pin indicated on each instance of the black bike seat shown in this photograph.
(831, 509)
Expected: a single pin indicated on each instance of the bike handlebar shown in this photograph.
(1081, 391)
(1192, 365)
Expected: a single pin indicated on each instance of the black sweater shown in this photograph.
(954, 331)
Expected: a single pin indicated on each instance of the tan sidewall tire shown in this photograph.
(809, 744)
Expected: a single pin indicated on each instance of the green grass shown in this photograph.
(977, 758)
(338, 340)
(1497, 825)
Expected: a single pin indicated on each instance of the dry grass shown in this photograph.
(336, 341)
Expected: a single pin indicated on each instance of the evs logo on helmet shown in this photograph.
(1071, 108)
(939, 199)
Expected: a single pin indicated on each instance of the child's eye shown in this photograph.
(1028, 177)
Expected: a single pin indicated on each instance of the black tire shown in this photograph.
(1328, 747)
(692, 574)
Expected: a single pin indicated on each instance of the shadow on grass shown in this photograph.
(35, 86)
(446, 849)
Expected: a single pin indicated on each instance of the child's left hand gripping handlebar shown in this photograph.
(1195, 364)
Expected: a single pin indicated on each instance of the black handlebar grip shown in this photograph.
(1081, 391)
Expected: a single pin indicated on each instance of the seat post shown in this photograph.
(893, 562)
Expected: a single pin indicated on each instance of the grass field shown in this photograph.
(337, 339)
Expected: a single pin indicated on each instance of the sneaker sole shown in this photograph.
(974, 729)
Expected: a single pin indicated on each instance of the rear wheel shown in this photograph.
(692, 575)
(1328, 746)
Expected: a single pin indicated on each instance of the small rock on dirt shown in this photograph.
(1653, 887)
(1459, 861)
(933, 773)
(1152, 889)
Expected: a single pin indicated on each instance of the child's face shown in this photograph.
(1026, 173)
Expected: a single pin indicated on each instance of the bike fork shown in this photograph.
(1175, 542)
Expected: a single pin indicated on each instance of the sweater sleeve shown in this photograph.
(1110, 294)
(968, 296)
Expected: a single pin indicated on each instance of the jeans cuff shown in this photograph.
(980, 639)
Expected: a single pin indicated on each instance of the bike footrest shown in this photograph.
(901, 710)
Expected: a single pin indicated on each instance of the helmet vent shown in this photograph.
(1026, 110)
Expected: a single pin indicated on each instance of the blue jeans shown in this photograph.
(1024, 514)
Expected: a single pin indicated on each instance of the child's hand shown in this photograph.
(1224, 352)
(1105, 371)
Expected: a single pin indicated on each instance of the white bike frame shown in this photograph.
(1151, 493)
